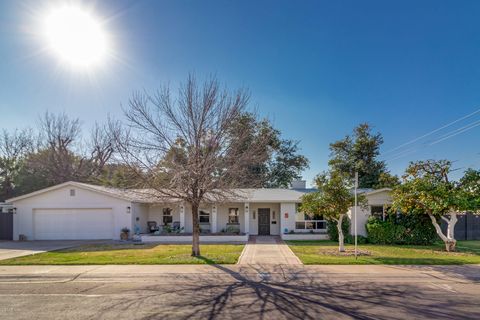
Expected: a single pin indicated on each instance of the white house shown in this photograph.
(74, 210)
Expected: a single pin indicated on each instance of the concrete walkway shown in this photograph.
(262, 250)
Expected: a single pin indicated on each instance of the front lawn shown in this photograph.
(324, 252)
(133, 254)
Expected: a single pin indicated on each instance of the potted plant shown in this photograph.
(125, 233)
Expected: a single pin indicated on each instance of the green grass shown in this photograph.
(322, 252)
(133, 254)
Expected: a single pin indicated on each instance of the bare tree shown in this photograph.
(13, 148)
(60, 157)
(181, 147)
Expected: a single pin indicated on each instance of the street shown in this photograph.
(240, 292)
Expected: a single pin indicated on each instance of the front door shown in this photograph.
(264, 222)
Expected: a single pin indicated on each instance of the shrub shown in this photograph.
(405, 229)
(333, 232)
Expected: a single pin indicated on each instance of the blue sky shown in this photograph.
(315, 68)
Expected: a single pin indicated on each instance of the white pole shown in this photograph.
(355, 212)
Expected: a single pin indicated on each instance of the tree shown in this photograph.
(13, 149)
(332, 199)
(427, 190)
(358, 153)
(58, 154)
(60, 157)
(181, 148)
(283, 163)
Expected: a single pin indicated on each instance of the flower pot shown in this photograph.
(124, 235)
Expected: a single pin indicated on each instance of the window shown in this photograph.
(167, 216)
(204, 216)
(233, 215)
(377, 212)
(72, 192)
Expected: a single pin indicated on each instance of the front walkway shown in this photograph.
(263, 250)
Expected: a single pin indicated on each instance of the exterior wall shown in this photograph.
(376, 199)
(306, 236)
(274, 207)
(188, 238)
(61, 199)
(140, 217)
(222, 215)
(288, 223)
(155, 213)
(362, 217)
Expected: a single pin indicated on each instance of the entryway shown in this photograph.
(267, 250)
(264, 221)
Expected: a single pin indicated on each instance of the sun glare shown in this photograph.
(75, 36)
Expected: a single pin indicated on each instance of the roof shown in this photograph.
(152, 196)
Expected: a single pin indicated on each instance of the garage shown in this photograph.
(72, 224)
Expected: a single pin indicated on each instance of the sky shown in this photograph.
(316, 69)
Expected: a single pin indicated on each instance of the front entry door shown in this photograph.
(264, 222)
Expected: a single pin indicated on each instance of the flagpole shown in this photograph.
(355, 213)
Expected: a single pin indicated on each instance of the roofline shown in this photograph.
(80, 185)
(378, 191)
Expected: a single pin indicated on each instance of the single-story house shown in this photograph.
(74, 210)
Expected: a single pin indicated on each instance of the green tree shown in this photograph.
(359, 152)
(332, 199)
(281, 162)
(427, 190)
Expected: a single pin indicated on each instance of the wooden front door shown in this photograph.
(264, 222)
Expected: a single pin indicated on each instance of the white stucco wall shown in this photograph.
(140, 217)
(155, 212)
(222, 215)
(288, 222)
(61, 199)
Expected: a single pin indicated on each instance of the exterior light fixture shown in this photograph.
(128, 209)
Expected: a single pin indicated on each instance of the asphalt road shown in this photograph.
(220, 292)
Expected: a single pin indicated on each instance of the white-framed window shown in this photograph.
(204, 216)
(167, 216)
(233, 215)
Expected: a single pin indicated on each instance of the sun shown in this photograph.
(75, 36)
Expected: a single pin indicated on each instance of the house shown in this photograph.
(74, 210)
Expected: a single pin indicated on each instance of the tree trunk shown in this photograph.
(195, 232)
(341, 239)
(449, 239)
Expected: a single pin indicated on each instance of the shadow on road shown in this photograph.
(261, 295)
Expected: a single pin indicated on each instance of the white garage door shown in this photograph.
(72, 224)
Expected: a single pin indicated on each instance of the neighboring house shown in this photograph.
(75, 210)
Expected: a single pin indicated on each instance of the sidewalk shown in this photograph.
(264, 250)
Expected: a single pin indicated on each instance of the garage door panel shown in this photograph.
(73, 224)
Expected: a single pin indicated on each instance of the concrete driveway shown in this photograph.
(13, 249)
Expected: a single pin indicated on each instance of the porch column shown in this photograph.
(182, 217)
(213, 225)
(247, 218)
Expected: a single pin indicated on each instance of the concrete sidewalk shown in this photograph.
(265, 250)
(361, 273)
